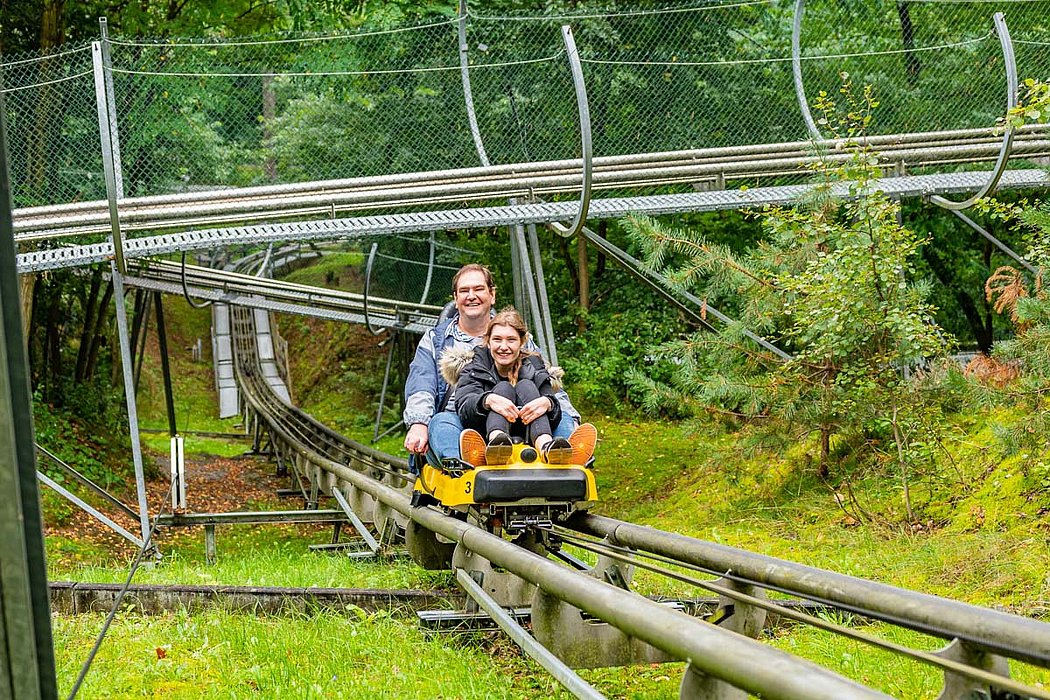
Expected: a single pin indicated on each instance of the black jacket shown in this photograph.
(478, 378)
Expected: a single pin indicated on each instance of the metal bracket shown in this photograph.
(796, 70)
(1011, 101)
(355, 521)
(586, 643)
(426, 549)
(960, 687)
(507, 589)
(585, 135)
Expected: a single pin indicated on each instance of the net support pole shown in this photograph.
(468, 95)
(586, 146)
(111, 105)
(796, 70)
(129, 396)
(1010, 64)
(108, 163)
(27, 659)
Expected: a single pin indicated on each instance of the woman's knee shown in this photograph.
(506, 390)
(525, 391)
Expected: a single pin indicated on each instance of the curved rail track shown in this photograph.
(721, 662)
(523, 181)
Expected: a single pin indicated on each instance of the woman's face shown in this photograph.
(505, 346)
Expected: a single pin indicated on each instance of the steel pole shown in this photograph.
(27, 661)
(1010, 635)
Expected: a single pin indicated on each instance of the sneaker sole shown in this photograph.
(583, 440)
(472, 447)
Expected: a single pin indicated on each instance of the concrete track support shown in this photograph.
(958, 686)
(507, 589)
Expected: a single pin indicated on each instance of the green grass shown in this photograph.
(260, 557)
(222, 655)
(981, 538)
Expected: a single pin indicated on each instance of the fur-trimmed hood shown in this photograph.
(454, 360)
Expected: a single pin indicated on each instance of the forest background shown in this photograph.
(892, 409)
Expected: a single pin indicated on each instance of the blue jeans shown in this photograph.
(445, 427)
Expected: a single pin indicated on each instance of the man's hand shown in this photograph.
(416, 440)
(534, 409)
(502, 406)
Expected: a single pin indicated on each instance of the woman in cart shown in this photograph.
(506, 392)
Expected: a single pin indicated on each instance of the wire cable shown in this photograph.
(632, 13)
(291, 40)
(785, 59)
(116, 603)
(329, 74)
(49, 82)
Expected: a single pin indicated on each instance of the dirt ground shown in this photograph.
(213, 485)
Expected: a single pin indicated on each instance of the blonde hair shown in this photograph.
(509, 316)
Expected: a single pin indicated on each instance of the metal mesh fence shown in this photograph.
(197, 114)
(52, 127)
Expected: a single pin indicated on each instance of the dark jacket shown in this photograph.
(479, 376)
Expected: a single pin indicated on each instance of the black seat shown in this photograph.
(509, 485)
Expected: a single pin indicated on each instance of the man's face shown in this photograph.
(474, 299)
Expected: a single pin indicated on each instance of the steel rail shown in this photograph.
(458, 174)
(629, 556)
(234, 281)
(743, 662)
(662, 628)
(324, 207)
(488, 217)
(517, 183)
(1002, 633)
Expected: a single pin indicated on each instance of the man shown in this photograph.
(430, 410)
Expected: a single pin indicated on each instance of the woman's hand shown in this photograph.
(534, 409)
(502, 406)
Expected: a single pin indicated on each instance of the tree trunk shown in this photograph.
(570, 264)
(41, 161)
(88, 331)
(101, 325)
(27, 285)
(982, 331)
(911, 59)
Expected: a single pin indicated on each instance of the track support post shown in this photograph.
(590, 643)
(959, 687)
(507, 589)
(735, 616)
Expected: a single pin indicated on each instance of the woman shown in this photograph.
(506, 390)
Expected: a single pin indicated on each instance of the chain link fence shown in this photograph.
(198, 114)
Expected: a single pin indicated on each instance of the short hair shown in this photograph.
(473, 267)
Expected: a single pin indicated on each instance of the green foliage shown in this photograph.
(1026, 300)
(834, 285)
(1034, 105)
(89, 436)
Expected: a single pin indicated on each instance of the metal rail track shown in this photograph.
(489, 217)
(377, 486)
(521, 180)
(237, 289)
